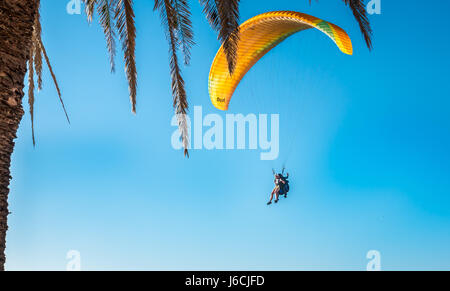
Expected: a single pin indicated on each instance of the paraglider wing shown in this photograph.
(258, 36)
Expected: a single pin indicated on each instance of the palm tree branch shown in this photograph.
(105, 11)
(184, 28)
(360, 13)
(180, 104)
(47, 60)
(37, 49)
(210, 10)
(228, 11)
(31, 84)
(90, 8)
(35, 60)
(124, 16)
(223, 16)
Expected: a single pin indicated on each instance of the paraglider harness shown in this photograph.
(284, 187)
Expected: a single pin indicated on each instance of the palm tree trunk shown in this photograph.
(16, 27)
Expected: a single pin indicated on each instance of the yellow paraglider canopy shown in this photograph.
(258, 36)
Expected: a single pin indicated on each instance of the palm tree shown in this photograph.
(22, 51)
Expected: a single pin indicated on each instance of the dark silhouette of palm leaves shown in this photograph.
(210, 10)
(228, 11)
(358, 8)
(223, 16)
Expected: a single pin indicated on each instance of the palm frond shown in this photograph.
(34, 61)
(228, 11)
(223, 16)
(31, 84)
(36, 52)
(360, 13)
(180, 104)
(184, 28)
(47, 60)
(37, 49)
(90, 8)
(105, 10)
(210, 10)
(124, 16)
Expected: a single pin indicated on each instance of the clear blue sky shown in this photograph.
(366, 139)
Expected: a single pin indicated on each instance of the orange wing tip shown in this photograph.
(347, 51)
(346, 47)
(220, 105)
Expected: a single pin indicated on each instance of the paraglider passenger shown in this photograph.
(276, 190)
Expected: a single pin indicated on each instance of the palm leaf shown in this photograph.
(360, 13)
(105, 10)
(184, 28)
(210, 10)
(34, 61)
(228, 11)
(223, 16)
(47, 60)
(170, 23)
(90, 8)
(37, 49)
(31, 84)
(124, 16)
